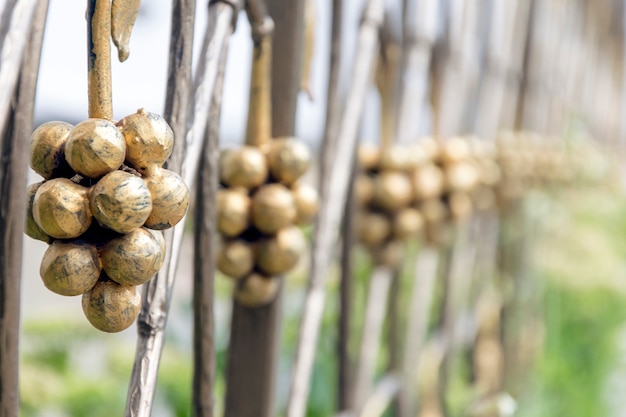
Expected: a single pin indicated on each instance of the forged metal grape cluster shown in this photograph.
(414, 190)
(391, 182)
(423, 188)
(104, 195)
(259, 209)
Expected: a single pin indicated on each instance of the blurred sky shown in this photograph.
(140, 81)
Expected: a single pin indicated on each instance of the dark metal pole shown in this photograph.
(13, 177)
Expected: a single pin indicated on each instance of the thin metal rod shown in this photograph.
(259, 127)
(458, 283)
(345, 385)
(99, 88)
(205, 247)
(499, 49)
(458, 73)
(385, 391)
(158, 291)
(329, 216)
(178, 94)
(14, 28)
(422, 297)
(376, 307)
(13, 178)
(333, 97)
(420, 27)
(383, 394)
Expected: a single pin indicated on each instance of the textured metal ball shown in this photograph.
(392, 190)
(31, 228)
(95, 147)
(256, 290)
(70, 268)
(235, 258)
(170, 198)
(233, 212)
(149, 139)
(428, 182)
(47, 149)
(288, 160)
(244, 167)
(395, 158)
(454, 150)
(121, 201)
(61, 208)
(461, 176)
(111, 307)
(430, 146)
(434, 210)
(372, 228)
(133, 258)
(368, 156)
(307, 202)
(407, 223)
(280, 253)
(273, 208)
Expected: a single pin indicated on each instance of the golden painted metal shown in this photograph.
(280, 253)
(245, 167)
(121, 201)
(70, 268)
(273, 208)
(61, 208)
(235, 258)
(288, 160)
(149, 140)
(308, 48)
(307, 203)
(170, 198)
(259, 127)
(233, 212)
(95, 147)
(99, 59)
(123, 16)
(392, 190)
(256, 290)
(133, 258)
(47, 145)
(31, 227)
(111, 307)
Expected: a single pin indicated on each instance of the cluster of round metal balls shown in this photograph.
(103, 201)
(406, 191)
(260, 207)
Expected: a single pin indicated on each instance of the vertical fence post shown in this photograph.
(205, 248)
(14, 146)
(254, 344)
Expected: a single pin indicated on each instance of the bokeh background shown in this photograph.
(69, 369)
